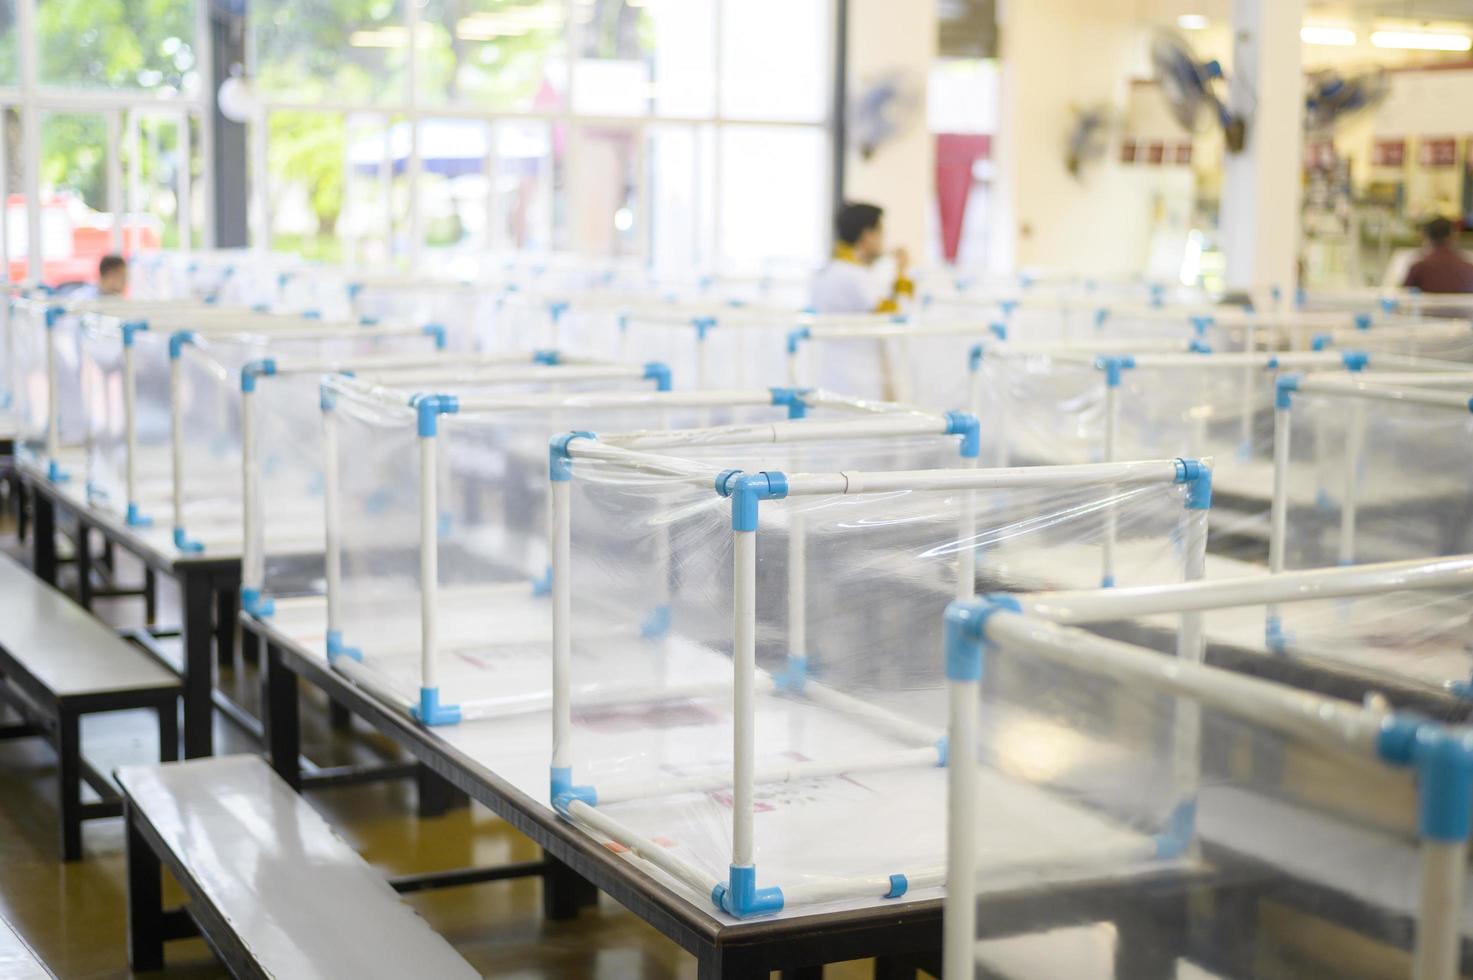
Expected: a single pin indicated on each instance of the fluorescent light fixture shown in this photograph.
(1338, 37)
(1192, 22)
(1422, 40)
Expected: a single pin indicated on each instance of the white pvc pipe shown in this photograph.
(251, 571)
(562, 621)
(744, 669)
(333, 557)
(130, 425)
(1093, 606)
(429, 559)
(959, 921)
(1135, 473)
(1355, 444)
(895, 725)
(1440, 910)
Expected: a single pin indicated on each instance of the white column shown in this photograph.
(888, 39)
(1260, 187)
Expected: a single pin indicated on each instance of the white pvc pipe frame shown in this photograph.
(744, 775)
(1408, 388)
(1041, 628)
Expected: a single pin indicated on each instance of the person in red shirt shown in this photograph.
(1442, 268)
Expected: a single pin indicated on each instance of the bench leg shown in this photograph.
(437, 796)
(199, 666)
(169, 730)
(339, 716)
(564, 891)
(893, 968)
(84, 565)
(225, 624)
(279, 717)
(43, 537)
(150, 597)
(69, 748)
(145, 902)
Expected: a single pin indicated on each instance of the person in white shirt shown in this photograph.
(848, 283)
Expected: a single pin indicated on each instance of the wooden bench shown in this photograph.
(270, 886)
(58, 663)
(17, 960)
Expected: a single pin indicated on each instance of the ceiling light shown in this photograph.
(1340, 37)
(1192, 22)
(1422, 40)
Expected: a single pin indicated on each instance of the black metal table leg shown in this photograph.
(280, 717)
(169, 730)
(43, 537)
(199, 632)
(84, 564)
(564, 891)
(150, 597)
(225, 601)
(436, 796)
(145, 902)
(339, 716)
(69, 748)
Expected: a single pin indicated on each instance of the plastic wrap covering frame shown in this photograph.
(969, 427)
(965, 622)
(336, 648)
(794, 398)
(429, 408)
(659, 373)
(251, 370)
(1443, 759)
(741, 897)
(429, 710)
(1199, 475)
(746, 490)
(253, 602)
(559, 462)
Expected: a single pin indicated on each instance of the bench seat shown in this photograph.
(17, 960)
(272, 888)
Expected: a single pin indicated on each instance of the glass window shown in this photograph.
(145, 44)
(454, 187)
(75, 228)
(522, 186)
(638, 58)
(775, 60)
(150, 156)
(315, 51)
(604, 198)
(682, 190)
(774, 196)
(306, 153)
(376, 151)
(498, 55)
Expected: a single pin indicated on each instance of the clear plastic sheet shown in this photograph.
(492, 606)
(463, 309)
(847, 693)
(49, 417)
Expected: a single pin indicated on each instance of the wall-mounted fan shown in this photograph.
(1188, 85)
(1331, 98)
(1089, 137)
(884, 107)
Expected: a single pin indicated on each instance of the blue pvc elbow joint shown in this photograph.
(1355, 360)
(136, 517)
(559, 462)
(251, 370)
(999, 330)
(336, 648)
(186, 544)
(1284, 389)
(1200, 324)
(703, 325)
(746, 491)
(368, 321)
(131, 327)
(974, 357)
(1101, 315)
(1199, 347)
(178, 340)
(795, 399)
(966, 425)
(1197, 475)
(53, 314)
(741, 897)
(1321, 341)
(1181, 826)
(563, 792)
(1442, 756)
(1114, 365)
(429, 710)
(258, 605)
(547, 358)
(796, 337)
(437, 331)
(964, 631)
(659, 373)
(429, 408)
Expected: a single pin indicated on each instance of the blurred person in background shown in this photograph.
(1442, 268)
(849, 283)
(112, 280)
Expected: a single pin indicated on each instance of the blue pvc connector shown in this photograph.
(354, 288)
(1113, 365)
(562, 792)
(1284, 389)
(796, 337)
(258, 605)
(1200, 323)
(55, 473)
(1008, 306)
(559, 463)
(1199, 347)
(260, 307)
(327, 399)
(1443, 758)
(312, 315)
(1301, 295)
(659, 373)
(336, 649)
(252, 370)
(1355, 360)
(437, 331)
(899, 885)
(1199, 476)
(547, 358)
(1107, 581)
(741, 897)
(623, 322)
(1363, 321)
(964, 626)
(131, 327)
(186, 544)
(794, 398)
(746, 490)
(1101, 315)
(794, 675)
(368, 321)
(657, 623)
(703, 325)
(1272, 364)
(999, 330)
(1320, 341)
(1470, 404)
(429, 408)
(1181, 827)
(431, 712)
(974, 357)
(178, 340)
(542, 584)
(1274, 636)
(136, 517)
(53, 314)
(943, 751)
(966, 425)
(1389, 304)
